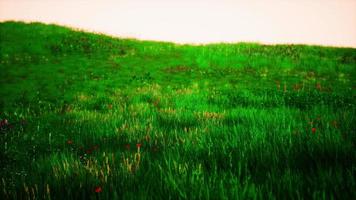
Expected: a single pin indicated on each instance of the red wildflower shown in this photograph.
(69, 142)
(98, 189)
(4, 122)
(313, 130)
(138, 145)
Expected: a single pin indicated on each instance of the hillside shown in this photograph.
(85, 116)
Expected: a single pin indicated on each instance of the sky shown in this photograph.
(319, 22)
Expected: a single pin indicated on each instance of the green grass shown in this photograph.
(219, 121)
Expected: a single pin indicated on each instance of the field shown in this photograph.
(88, 116)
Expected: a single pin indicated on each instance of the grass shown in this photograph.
(88, 116)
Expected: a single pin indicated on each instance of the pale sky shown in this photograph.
(321, 22)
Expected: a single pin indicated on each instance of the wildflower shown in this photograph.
(98, 189)
(138, 145)
(5, 124)
(313, 130)
(69, 142)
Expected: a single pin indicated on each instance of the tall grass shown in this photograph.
(87, 116)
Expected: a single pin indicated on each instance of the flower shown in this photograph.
(313, 130)
(69, 142)
(4, 122)
(138, 145)
(98, 189)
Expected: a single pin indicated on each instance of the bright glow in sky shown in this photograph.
(322, 22)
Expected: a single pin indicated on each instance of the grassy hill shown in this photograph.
(88, 116)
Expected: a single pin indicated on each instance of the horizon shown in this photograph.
(329, 23)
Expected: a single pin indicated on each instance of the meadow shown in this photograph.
(89, 116)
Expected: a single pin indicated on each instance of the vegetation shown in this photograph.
(88, 116)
